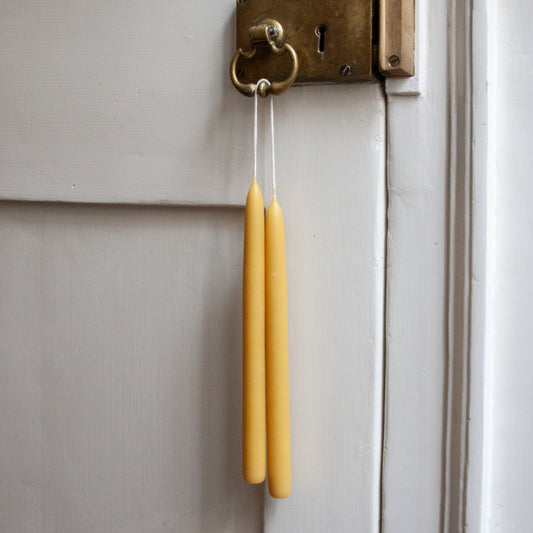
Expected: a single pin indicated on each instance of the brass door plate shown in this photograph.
(397, 38)
(337, 41)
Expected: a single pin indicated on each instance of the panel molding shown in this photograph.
(465, 466)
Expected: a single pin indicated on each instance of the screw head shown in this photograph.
(346, 70)
(394, 60)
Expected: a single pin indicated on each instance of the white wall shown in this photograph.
(509, 383)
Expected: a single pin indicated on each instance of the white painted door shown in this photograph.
(120, 371)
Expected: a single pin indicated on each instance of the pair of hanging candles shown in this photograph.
(265, 304)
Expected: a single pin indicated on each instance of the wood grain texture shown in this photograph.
(120, 371)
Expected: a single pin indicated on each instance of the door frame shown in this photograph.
(434, 450)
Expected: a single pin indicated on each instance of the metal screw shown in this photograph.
(346, 70)
(394, 61)
(273, 31)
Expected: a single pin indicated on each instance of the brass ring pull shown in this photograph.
(263, 88)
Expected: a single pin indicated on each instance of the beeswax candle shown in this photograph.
(277, 356)
(254, 415)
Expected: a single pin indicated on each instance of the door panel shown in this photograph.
(335, 224)
(120, 370)
(121, 324)
(128, 103)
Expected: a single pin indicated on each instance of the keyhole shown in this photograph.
(320, 32)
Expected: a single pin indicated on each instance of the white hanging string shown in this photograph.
(255, 132)
(273, 146)
(255, 121)
(271, 136)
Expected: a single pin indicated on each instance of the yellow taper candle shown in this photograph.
(277, 356)
(254, 409)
